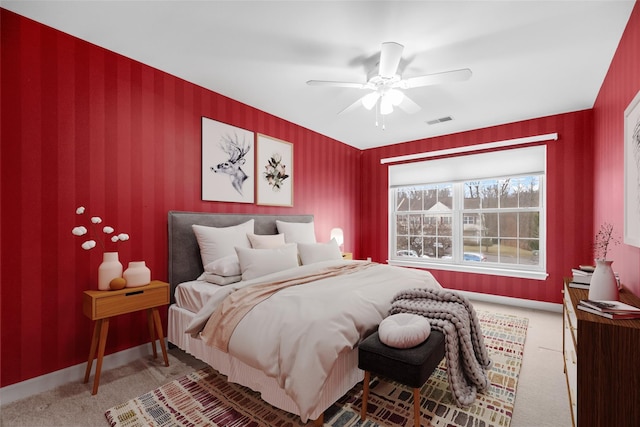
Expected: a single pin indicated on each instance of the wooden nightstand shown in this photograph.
(347, 255)
(102, 305)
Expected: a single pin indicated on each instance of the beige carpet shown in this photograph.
(73, 405)
(541, 400)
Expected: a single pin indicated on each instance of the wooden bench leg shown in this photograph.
(365, 395)
(416, 406)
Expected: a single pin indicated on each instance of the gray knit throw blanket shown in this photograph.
(466, 354)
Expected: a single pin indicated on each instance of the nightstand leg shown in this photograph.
(104, 330)
(156, 316)
(92, 349)
(152, 331)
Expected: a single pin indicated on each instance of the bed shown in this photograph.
(299, 369)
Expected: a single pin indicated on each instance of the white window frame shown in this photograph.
(537, 272)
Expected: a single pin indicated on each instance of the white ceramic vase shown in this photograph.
(137, 274)
(109, 269)
(603, 284)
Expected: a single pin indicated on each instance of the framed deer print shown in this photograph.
(228, 163)
(274, 171)
(632, 172)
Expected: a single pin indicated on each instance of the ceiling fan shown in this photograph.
(386, 84)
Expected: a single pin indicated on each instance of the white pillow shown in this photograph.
(268, 241)
(297, 232)
(316, 252)
(260, 262)
(404, 330)
(225, 266)
(216, 243)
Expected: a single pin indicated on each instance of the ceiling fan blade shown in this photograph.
(437, 78)
(408, 105)
(390, 56)
(337, 84)
(350, 108)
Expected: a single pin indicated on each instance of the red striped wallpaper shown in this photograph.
(569, 166)
(84, 126)
(618, 90)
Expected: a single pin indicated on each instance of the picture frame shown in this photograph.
(274, 173)
(632, 172)
(228, 163)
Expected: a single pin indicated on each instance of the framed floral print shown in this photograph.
(228, 162)
(274, 173)
(632, 172)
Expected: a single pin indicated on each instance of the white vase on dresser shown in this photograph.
(604, 285)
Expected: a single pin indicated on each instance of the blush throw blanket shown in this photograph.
(466, 354)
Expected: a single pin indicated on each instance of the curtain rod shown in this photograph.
(477, 147)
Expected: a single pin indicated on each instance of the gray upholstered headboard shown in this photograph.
(184, 254)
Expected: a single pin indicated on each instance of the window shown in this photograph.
(474, 218)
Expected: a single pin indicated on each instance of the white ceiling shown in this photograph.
(529, 58)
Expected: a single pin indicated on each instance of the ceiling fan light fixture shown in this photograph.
(395, 96)
(369, 101)
(386, 107)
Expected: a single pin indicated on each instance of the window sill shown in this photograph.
(522, 274)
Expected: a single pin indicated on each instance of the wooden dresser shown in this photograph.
(602, 363)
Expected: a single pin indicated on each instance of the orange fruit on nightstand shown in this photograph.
(117, 283)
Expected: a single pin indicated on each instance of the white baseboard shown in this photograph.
(518, 302)
(55, 379)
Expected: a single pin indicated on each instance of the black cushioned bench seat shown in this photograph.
(411, 366)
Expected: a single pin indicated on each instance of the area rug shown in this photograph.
(204, 398)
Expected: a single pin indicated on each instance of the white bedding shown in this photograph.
(194, 295)
(344, 376)
(310, 325)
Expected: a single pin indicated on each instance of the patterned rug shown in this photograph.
(204, 398)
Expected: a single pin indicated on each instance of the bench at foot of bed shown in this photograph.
(411, 367)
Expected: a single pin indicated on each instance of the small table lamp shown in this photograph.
(336, 233)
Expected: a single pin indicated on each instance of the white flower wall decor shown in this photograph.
(91, 238)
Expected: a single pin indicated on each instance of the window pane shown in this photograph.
(416, 200)
(529, 224)
(445, 196)
(471, 195)
(415, 246)
(430, 197)
(472, 228)
(528, 252)
(444, 225)
(509, 193)
(402, 245)
(415, 224)
(529, 192)
(402, 200)
(402, 225)
(508, 224)
(490, 225)
(489, 193)
(508, 251)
